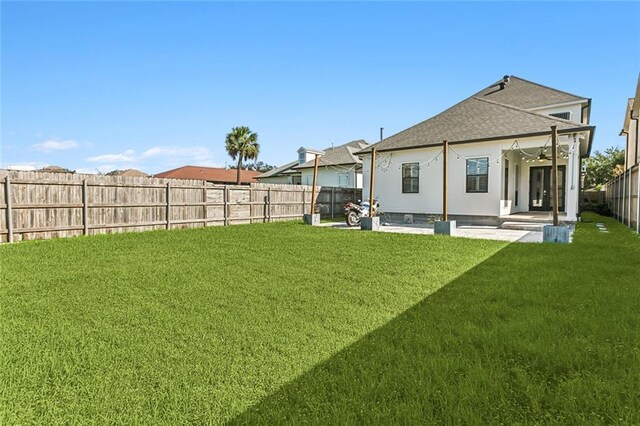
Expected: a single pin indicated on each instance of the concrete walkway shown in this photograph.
(482, 232)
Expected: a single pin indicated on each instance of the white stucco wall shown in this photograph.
(388, 179)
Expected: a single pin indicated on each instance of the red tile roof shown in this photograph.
(211, 174)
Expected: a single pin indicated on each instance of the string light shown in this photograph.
(384, 164)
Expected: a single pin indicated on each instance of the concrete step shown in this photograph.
(525, 226)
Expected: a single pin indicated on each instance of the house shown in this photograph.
(622, 194)
(56, 169)
(283, 174)
(499, 158)
(128, 173)
(337, 166)
(631, 130)
(210, 174)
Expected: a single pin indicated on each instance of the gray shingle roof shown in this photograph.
(525, 94)
(277, 170)
(475, 118)
(339, 155)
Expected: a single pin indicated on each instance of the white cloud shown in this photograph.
(26, 166)
(96, 170)
(196, 152)
(127, 156)
(54, 145)
(180, 156)
(156, 158)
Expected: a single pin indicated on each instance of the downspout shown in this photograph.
(624, 183)
(620, 209)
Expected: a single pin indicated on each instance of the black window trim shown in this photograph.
(471, 191)
(417, 178)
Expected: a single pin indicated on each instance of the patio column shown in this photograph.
(572, 202)
(445, 195)
(371, 179)
(554, 172)
(315, 179)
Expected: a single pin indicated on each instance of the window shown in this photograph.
(343, 180)
(308, 180)
(410, 177)
(563, 115)
(302, 157)
(296, 180)
(478, 174)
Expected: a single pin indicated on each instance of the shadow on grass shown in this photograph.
(537, 333)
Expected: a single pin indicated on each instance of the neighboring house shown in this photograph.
(283, 174)
(631, 130)
(210, 174)
(56, 169)
(337, 166)
(128, 173)
(499, 156)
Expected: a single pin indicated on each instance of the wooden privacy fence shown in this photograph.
(37, 205)
(622, 196)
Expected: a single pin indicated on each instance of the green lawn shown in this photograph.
(290, 323)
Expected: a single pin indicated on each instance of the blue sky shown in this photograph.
(98, 86)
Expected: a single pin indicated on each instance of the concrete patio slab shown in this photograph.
(482, 232)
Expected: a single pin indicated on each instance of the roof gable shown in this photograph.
(277, 170)
(211, 174)
(525, 94)
(339, 155)
(474, 119)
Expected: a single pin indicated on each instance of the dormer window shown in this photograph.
(563, 115)
(302, 157)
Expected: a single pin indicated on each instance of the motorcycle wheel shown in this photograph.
(353, 219)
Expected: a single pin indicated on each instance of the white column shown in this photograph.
(572, 201)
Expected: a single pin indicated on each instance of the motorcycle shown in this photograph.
(354, 212)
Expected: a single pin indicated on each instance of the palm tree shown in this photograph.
(242, 144)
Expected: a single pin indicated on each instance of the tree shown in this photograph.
(602, 167)
(242, 144)
(258, 166)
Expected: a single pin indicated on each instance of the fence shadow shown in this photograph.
(479, 350)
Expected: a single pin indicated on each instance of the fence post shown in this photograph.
(304, 201)
(205, 209)
(85, 207)
(619, 213)
(168, 212)
(269, 205)
(333, 198)
(9, 214)
(226, 205)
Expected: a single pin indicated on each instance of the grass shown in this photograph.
(286, 323)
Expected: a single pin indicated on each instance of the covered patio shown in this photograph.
(479, 232)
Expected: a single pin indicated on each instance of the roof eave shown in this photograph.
(591, 129)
